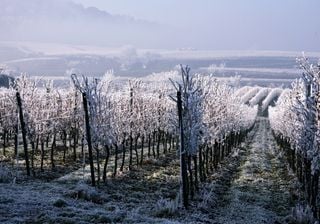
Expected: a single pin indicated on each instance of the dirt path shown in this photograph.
(259, 189)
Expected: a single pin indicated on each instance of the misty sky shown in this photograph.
(281, 25)
(229, 24)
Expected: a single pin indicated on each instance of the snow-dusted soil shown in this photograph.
(260, 191)
(251, 186)
(131, 197)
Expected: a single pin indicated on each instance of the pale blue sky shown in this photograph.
(231, 24)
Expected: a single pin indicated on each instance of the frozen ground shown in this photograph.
(251, 186)
(260, 192)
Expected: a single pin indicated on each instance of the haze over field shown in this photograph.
(169, 24)
(136, 38)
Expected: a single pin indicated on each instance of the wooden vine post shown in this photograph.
(88, 132)
(24, 132)
(183, 165)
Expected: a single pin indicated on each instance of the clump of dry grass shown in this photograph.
(301, 214)
(6, 175)
(88, 193)
(167, 207)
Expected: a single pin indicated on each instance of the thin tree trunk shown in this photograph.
(170, 142)
(196, 172)
(33, 151)
(16, 141)
(123, 155)
(37, 144)
(75, 147)
(136, 148)
(130, 152)
(201, 164)
(82, 147)
(223, 150)
(115, 160)
(8, 137)
(215, 154)
(98, 163)
(153, 146)
(149, 145)
(4, 142)
(142, 147)
(53, 146)
(315, 192)
(191, 187)
(307, 178)
(211, 158)
(64, 145)
(293, 161)
(47, 141)
(165, 146)
(106, 163)
(42, 155)
(158, 143)
(69, 139)
(207, 160)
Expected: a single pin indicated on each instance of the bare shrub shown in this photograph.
(301, 214)
(6, 175)
(167, 207)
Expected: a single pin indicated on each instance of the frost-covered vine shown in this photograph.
(295, 121)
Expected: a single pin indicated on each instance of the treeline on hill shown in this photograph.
(94, 120)
(295, 121)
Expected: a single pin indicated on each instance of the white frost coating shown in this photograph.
(163, 76)
(251, 93)
(294, 117)
(121, 110)
(274, 93)
(225, 113)
(263, 92)
(242, 91)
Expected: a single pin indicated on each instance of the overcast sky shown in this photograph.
(230, 24)
(281, 25)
